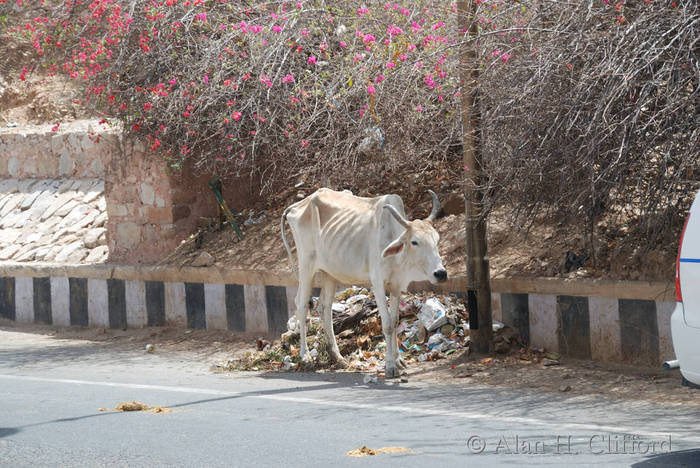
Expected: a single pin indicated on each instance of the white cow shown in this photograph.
(351, 240)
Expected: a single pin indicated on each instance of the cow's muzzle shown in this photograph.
(440, 275)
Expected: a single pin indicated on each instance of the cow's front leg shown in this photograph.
(389, 329)
(394, 314)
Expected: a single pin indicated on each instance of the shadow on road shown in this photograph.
(681, 458)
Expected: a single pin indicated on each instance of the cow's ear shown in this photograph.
(393, 248)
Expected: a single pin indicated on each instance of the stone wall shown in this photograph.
(149, 209)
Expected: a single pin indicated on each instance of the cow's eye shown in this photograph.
(414, 243)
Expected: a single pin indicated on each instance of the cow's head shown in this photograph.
(417, 247)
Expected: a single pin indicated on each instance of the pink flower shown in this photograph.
(311, 59)
(305, 32)
(147, 106)
(202, 17)
(343, 44)
(368, 39)
(370, 89)
(379, 79)
(393, 30)
(496, 53)
(206, 79)
(172, 81)
(505, 57)
(265, 80)
(304, 143)
(55, 127)
(289, 78)
(362, 11)
(419, 108)
(403, 57)
(277, 29)
(390, 65)
(236, 116)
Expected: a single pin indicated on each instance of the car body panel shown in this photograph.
(685, 320)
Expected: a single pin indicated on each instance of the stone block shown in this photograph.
(128, 234)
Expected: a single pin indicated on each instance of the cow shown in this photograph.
(351, 240)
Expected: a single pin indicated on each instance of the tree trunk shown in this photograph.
(478, 277)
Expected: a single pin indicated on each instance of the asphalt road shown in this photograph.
(51, 393)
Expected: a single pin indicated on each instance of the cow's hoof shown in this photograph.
(401, 364)
(392, 373)
(341, 362)
(306, 359)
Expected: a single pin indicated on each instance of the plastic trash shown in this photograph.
(423, 357)
(287, 363)
(150, 348)
(433, 314)
(370, 379)
(497, 325)
(292, 324)
(338, 308)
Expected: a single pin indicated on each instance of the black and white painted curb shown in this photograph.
(599, 328)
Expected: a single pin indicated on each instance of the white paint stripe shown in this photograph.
(98, 304)
(175, 303)
(544, 322)
(60, 301)
(135, 296)
(508, 420)
(24, 299)
(604, 320)
(215, 306)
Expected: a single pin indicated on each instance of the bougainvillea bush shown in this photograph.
(586, 108)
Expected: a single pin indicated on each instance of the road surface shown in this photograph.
(51, 393)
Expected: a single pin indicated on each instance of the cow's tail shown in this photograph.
(284, 237)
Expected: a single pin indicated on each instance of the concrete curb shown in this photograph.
(590, 319)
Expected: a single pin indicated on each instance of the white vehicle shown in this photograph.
(685, 321)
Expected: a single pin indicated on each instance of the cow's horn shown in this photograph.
(402, 221)
(436, 206)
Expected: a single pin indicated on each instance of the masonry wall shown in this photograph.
(588, 319)
(149, 207)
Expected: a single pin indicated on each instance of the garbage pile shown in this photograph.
(431, 326)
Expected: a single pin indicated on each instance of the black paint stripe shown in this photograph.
(235, 307)
(7, 298)
(78, 291)
(116, 298)
(516, 313)
(574, 329)
(639, 331)
(277, 315)
(42, 300)
(194, 300)
(155, 303)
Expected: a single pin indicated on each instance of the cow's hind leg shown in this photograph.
(326, 302)
(302, 303)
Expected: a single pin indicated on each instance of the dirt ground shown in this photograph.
(571, 376)
(541, 252)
